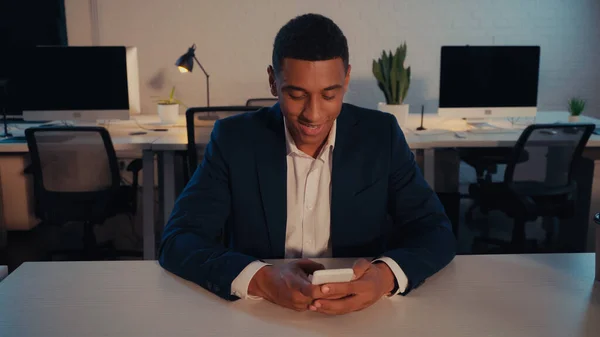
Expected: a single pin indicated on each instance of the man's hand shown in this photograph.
(287, 285)
(371, 282)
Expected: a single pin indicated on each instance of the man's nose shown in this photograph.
(312, 110)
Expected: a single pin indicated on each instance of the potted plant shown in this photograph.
(576, 106)
(168, 108)
(394, 80)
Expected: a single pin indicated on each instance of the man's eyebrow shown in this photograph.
(292, 87)
(333, 87)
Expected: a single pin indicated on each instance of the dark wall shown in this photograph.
(32, 23)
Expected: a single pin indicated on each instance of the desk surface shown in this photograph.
(508, 296)
(440, 134)
(120, 132)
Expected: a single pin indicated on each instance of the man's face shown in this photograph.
(310, 95)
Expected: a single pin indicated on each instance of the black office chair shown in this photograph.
(76, 179)
(485, 161)
(261, 102)
(198, 135)
(540, 185)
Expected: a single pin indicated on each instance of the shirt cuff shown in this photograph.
(401, 278)
(239, 286)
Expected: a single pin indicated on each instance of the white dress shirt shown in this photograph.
(308, 212)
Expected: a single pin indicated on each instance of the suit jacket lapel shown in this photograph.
(271, 166)
(344, 172)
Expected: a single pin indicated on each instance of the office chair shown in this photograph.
(76, 178)
(195, 143)
(485, 161)
(261, 102)
(541, 185)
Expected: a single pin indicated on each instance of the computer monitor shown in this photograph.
(489, 81)
(72, 83)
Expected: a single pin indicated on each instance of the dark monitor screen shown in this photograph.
(489, 76)
(64, 78)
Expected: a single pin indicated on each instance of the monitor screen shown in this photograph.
(65, 78)
(489, 76)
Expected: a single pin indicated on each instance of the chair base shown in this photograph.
(91, 250)
(102, 252)
(503, 247)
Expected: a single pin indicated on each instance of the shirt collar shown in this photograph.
(291, 145)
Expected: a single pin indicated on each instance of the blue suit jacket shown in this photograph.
(233, 210)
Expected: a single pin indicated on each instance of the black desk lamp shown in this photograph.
(186, 64)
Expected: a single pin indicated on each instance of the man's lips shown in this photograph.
(310, 129)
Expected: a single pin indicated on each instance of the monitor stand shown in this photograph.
(483, 125)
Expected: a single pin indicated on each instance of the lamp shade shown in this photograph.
(185, 62)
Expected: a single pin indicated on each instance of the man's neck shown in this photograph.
(311, 150)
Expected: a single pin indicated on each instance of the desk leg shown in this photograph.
(168, 171)
(429, 167)
(148, 205)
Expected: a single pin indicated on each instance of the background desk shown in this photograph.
(507, 296)
(427, 145)
(575, 234)
(431, 148)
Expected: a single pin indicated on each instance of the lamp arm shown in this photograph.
(207, 82)
(201, 67)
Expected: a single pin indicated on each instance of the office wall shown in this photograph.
(234, 40)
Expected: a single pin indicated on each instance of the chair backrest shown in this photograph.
(75, 171)
(198, 133)
(547, 153)
(261, 102)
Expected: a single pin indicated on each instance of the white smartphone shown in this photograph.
(332, 276)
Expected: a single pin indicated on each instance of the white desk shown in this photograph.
(507, 296)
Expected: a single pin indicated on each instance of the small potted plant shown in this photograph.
(576, 106)
(394, 80)
(168, 108)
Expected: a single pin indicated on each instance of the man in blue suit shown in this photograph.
(308, 177)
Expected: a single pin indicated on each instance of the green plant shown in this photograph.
(392, 78)
(170, 100)
(576, 106)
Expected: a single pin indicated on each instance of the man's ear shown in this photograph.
(347, 78)
(272, 82)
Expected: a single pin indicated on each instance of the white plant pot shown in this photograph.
(168, 113)
(399, 111)
(573, 119)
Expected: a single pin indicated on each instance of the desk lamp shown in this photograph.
(185, 63)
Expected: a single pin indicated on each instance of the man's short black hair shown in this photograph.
(310, 37)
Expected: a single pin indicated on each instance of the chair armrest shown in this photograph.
(135, 166)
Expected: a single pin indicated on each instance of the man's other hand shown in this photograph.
(371, 282)
(287, 285)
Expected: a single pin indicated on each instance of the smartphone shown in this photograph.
(332, 276)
